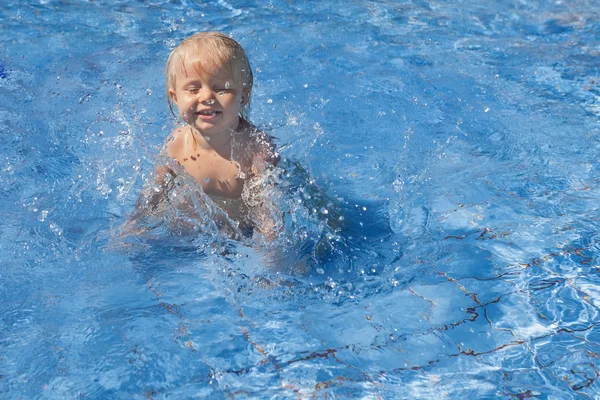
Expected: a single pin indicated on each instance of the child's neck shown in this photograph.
(220, 143)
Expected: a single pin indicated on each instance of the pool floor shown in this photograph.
(457, 144)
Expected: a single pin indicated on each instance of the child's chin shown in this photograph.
(210, 132)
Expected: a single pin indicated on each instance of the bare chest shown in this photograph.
(216, 174)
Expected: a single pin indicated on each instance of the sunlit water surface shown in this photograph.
(457, 140)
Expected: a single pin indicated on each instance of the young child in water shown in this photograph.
(209, 80)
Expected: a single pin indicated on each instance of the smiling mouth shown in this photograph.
(208, 113)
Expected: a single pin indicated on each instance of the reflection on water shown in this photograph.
(441, 209)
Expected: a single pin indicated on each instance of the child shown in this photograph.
(209, 81)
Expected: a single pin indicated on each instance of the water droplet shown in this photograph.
(148, 92)
(43, 215)
(324, 211)
(56, 229)
(320, 271)
(269, 101)
(221, 93)
(227, 85)
(206, 180)
(305, 85)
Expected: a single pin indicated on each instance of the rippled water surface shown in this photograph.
(460, 141)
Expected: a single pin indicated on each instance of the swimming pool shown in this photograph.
(460, 139)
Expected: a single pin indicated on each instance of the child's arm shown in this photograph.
(260, 187)
(155, 192)
(148, 202)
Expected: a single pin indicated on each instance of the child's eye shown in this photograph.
(224, 88)
(193, 90)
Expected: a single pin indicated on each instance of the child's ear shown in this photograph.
(173, 96)
(245, 97)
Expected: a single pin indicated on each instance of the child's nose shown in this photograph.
(207, 96)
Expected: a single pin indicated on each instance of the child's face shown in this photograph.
(208, 99)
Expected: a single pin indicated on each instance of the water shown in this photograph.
(459, 141)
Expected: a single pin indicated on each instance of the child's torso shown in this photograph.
(217, 174)
(220, 174)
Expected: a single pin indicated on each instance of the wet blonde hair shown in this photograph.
(212, 49)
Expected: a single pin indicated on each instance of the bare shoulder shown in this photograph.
(175, 143)
(263, 146)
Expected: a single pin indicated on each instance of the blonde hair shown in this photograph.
(213, 48)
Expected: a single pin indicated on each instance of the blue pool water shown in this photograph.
(458, 140)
